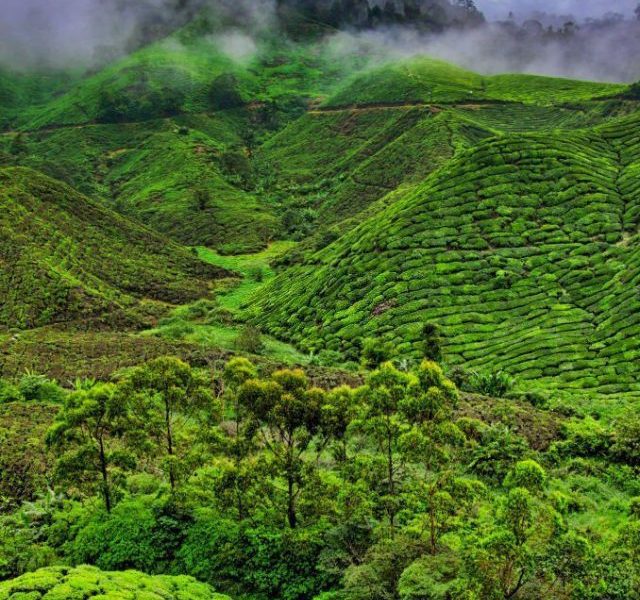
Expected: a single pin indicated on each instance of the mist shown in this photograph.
(578, 9)
(40, 34)
(596, 53)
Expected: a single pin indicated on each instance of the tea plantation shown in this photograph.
(292, 317)
(522, 248)
(67, 258)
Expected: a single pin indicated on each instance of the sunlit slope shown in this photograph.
(340, 162)
(523, 249)
(66, 258)
(425, 80)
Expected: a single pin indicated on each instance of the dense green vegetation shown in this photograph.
(519, 248)
(307, 323)
(89, 582)
(266, 486)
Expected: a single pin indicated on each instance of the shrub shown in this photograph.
(526, 474)
(249, 340)
(142, 533)
(375, 352)
(38, 388)
(256, 562)
(178, 329)
(432, 342)
(498, 450)
(85, 582)
(225, 93)
(9, 392)
(626, 439)
(256, 274)
(495, 383)
(634, 507)
(584, 437)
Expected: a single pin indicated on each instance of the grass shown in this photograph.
(255, 270)
(218, 325)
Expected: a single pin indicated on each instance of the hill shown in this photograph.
(523, 249)
(423, 79)
(289, 142)
(66, 258)
(165, 135)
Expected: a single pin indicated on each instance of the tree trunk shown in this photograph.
(392, 483)
(291, 499)
(106, 492)
(167, 418)
(291, 506)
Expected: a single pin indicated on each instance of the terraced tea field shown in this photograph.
(523, 248)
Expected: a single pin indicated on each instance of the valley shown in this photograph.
(284, 316)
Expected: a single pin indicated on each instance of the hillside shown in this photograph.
(67, 258)
(290, 314)
(522, 248)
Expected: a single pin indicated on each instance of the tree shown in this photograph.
(239, 377)
(431, 397)
(88, 431)
(339, 410)
(430, 443)
(431, 342)
(167, 393)
(236, 373)
(289, 411)
(386, 388)
(375, 352)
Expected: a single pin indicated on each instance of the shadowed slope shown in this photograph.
(65, 257)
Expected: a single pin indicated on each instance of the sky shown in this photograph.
(499, 9)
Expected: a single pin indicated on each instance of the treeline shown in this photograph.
(268, 487)
(433, 15)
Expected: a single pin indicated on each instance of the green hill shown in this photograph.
(522, 248)
(418, 190)
(67, 258)
(165, 135)
(422, 80)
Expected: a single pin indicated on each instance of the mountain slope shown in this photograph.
(66, 258)
(524, 249)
